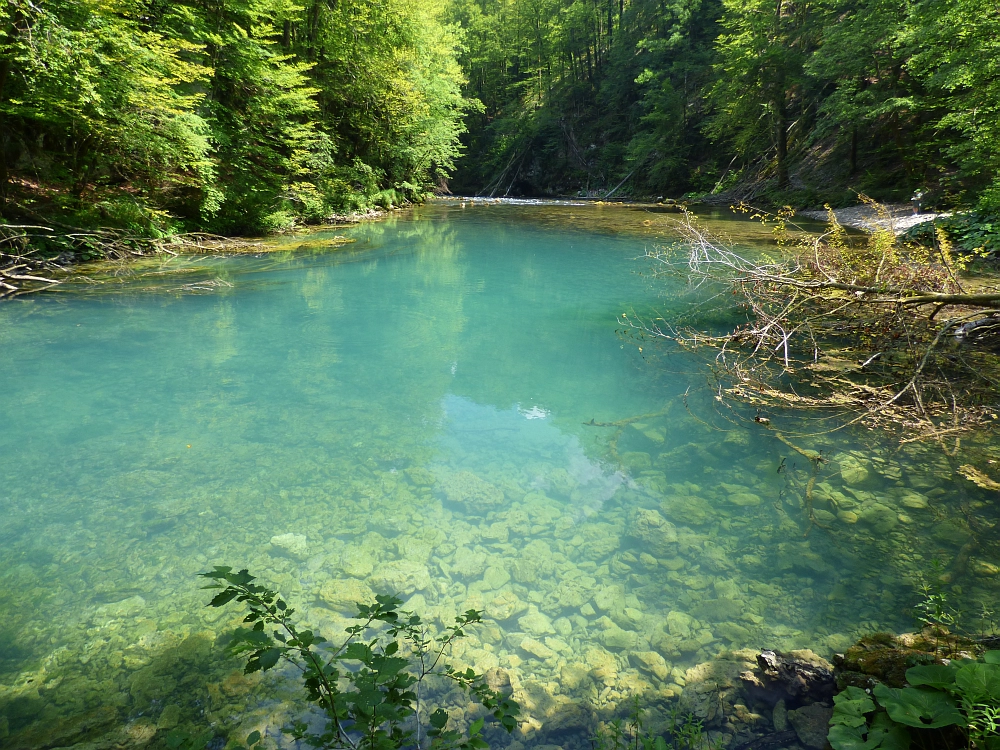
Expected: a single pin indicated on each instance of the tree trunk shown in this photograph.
(781, 137)
(854, 150)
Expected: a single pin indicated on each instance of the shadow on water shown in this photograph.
(159, 684)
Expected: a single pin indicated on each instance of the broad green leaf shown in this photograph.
(941, 676)
(850, 707)
(358, 651)
(992, 657)
(253, 738)
(223, 597)
(888, 735)
(979, 682)
(843, 737)
(388, 666)
(269, 658)
(477, 726)
(918, 707)
(177, 737)
(439, 718)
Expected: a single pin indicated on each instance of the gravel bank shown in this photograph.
(864, 217)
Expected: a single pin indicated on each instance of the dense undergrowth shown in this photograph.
(232, 117)
(795, 102)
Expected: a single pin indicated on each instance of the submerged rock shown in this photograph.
(505, 605)
(619, 639)
(495, 577)
(292, 545)
(651, 528)
(688, 509)
(474, 494)
(812, 724)
(401, 577)
(744, 499)
(852, 470)
(344, 594)
(469, 563)
(914, 501)
(536, 648)
(536, 623)
(356, 561)
(535, 563)
(880, 517)
(651, 662)
(636, 461)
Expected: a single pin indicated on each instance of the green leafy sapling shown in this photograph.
(368, 690)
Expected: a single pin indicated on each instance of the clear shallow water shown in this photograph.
(410, 414)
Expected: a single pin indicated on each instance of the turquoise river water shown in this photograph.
(412, 413)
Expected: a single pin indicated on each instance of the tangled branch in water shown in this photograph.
(873, 332)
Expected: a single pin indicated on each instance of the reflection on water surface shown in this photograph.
(443, 410)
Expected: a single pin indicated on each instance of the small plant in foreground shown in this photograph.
(684, 732)
(368, 690)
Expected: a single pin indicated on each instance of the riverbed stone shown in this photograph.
(356, 561)
(656, 532)
(536, 623)
(951, 532)
(690, 510)
(602, 665)
(495, 577)
(536, 648)
(744, 499)
(811, 724)
(505, 605)
(534, 563)
(618, 639)
(779, 717)
(291, 545)
(469, 491)
(852, 470)
(344, 594)
(679, 623)
(823, 517)
(469, 563)
(914, 501)
(880, 517)
(652, 662)
(401, 577)
(636, 461)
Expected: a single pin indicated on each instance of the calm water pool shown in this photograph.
(410, 414)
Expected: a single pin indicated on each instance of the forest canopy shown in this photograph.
(800, 101)
(238, 116)
(248, 116)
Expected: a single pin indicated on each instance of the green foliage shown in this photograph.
(231, 115)
(970, 230)
(928, 709)
(961, 693)
(934, 609)
(696, 96)
(380, 707)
